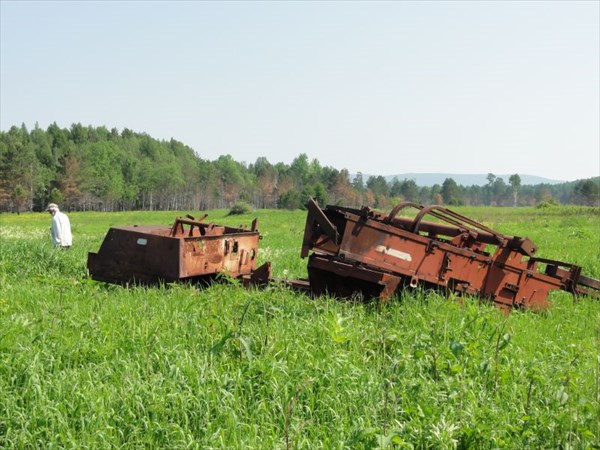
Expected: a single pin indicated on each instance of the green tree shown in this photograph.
(476, 195)
(291, 199)
(515, 183)
(300, 169)
(395, 188)
(230, 178)
(588, 191)
(410, 190)
(80, 134)
(19, 168)
(320, 194)
(358, 182)
(101, 173)
(500, 192)
(266, 181)
(19, 198)
(451, 193)
(380, 189)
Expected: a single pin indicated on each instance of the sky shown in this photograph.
(381, 88)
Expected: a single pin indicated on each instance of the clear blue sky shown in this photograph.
(377, 87)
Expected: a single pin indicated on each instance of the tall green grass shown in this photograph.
(90, 365)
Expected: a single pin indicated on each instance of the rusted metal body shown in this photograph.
(190, 249)
(359, 251)
(351, 252)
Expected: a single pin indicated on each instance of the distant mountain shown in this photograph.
(429, 179)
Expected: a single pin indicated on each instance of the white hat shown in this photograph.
(52, 206)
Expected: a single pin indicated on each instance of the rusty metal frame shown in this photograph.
(362, 251)
(190, 249)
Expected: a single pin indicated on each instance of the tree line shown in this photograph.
(94, 168)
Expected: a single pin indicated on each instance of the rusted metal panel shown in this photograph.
(362, 250)
(188, 249)
(340, 278)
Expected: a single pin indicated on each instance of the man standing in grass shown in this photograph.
(61, 227)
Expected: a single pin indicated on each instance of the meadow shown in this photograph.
(90, 365)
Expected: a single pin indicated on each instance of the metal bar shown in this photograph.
(318, 215)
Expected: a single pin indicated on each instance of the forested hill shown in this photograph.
(87, 168)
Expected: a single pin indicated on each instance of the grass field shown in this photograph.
(89, 365)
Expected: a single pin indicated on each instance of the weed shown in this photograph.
(85, 364)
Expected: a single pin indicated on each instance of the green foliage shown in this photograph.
(86, 168)
(451, 192)
(240, 208)
(548, 203)
(291, 200)
(56, 196)
(588, 191)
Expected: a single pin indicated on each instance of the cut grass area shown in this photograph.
(85, 364)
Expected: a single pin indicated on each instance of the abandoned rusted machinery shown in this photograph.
(189, 250)
(359, 251)
(352, 252)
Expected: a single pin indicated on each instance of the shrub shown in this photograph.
(548, 203)
(240, 208)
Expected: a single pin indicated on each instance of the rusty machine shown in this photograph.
(189, 250)
(359, 251)
(351, 253)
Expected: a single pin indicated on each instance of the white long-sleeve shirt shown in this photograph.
(61, 230)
